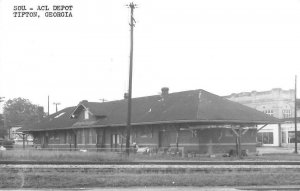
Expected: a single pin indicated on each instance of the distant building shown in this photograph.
(277, 103)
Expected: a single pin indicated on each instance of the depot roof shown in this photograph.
(194, 106)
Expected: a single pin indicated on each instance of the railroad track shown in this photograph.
(138, 163)
(142, 167)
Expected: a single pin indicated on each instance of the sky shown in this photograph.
(221, 46)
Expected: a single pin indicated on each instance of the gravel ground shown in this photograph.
(172, 188)
(150, 166)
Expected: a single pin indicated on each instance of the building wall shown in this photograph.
(276, 102)
(288, 134)
(159, 137)
(215, 140)
(146, 136)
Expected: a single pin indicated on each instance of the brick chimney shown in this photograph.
(84, 101)
(164, 91)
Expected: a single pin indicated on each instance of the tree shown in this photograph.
(21, 112)
(3, 131)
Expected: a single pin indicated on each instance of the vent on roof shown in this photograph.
(59, 115)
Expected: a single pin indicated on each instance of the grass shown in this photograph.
(44, 155)
(76, 156)
(56, 178)
(79, 180)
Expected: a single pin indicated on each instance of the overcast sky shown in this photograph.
(221, 46)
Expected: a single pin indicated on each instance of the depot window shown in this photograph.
(265, 137)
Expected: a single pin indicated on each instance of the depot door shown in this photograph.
(164, 139)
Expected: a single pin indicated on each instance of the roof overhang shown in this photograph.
(225, 123)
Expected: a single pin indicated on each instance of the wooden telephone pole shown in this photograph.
(48, 105)
(296, 137)
(132, 6)
(56, 104)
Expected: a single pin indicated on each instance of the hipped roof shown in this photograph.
(195, 106)
(58, 120)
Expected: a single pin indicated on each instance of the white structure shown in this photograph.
(269, 135)
(17, 136)
(277, 103)
(288, 134)
(14, 134)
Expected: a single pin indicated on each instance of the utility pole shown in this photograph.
(132, 6)
(56, 103)
(48, 106)
(103, 100)
(296, 141)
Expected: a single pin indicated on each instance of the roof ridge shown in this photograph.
(149, 96)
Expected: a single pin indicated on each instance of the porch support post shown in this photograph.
(103, 138)
(238, 141)
(98, 144)
(75, 140)
(279, 135)
(70, 141)
(23, 134)
(177, 138)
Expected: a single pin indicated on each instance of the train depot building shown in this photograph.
(191, 121)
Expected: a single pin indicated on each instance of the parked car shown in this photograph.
(28, 142)
(2, 148)
(6, 143)
(142, 150)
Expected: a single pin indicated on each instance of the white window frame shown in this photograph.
(86, 114)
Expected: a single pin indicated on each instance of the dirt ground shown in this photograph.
(275, 150)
